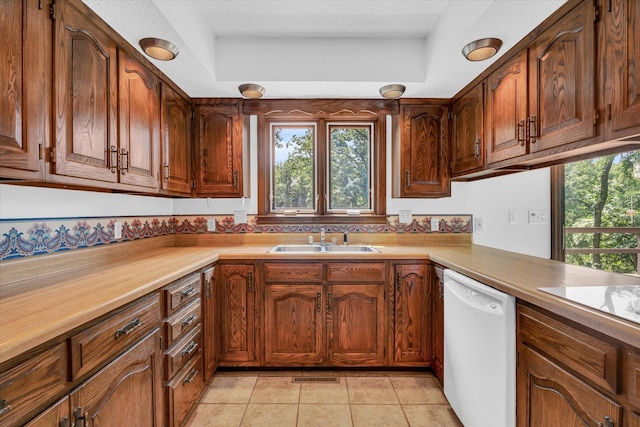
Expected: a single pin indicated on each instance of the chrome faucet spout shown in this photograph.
(322, 236)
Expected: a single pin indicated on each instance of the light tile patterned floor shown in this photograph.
(360, 399)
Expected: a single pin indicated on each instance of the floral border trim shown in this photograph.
(29, 238)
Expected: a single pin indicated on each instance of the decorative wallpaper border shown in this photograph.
(24, 238)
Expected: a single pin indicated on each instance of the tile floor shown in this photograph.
(360, 399)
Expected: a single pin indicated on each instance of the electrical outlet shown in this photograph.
(405, 217)
(513, 216)
(478, 224)
(117, 230)
(211, 224)
(240, 216)
(538, 216)
(435, 225)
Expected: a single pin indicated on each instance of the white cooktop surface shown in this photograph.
(621, 301)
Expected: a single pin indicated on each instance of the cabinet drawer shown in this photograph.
(633, 369)
(183, 391)
(181, 292)
(31, 384)
(111, 336)
(356, 272)
(181, 322)
(182, 351)
(293, 272)
(586, 355)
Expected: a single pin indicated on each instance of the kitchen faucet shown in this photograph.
(322, 236)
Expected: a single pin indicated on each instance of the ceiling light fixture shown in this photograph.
(392, 91)
(251, 90)
(482, 49)
(159, 49)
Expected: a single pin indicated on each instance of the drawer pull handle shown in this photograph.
(189, 320)
(191, 377)
(129, 327)
(187, 292)
(190, 349)
(4, 407)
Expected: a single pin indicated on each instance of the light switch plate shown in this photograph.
(117, 230)
(240, 216)
(405, 217)
(478, 224)
(538, 216)
(513, 216)
(211, 224)
(435, 225)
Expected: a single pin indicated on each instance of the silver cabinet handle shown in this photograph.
(129, 327)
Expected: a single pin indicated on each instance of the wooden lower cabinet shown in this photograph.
(411, 315)
(548, 395)
(294, 325)
(437, 331)
(57, 415)
(236, 285)
(209, 323)
(356, 325)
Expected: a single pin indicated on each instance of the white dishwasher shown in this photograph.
(479, 352)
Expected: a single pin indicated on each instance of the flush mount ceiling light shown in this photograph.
(392, 91)
(251, 90)
(159, 49)
(482, 49)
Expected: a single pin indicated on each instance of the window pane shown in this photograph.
(601, 212)
(349, 167)
(293, 181)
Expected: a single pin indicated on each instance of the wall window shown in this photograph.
(321, 161)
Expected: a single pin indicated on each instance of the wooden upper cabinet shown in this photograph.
(219, 151)
(139, 109)
(25, 117)
(558, 104)
(562, 82)
(622, 69)
(467, 132)
(424, 151)
(85, 98)
(506, 108)
(176, 142)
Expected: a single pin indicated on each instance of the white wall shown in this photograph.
(489, 199)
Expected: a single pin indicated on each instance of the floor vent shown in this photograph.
(325, 380)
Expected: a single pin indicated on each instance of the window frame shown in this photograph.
(322, 112)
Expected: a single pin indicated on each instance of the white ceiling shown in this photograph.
(323, 48)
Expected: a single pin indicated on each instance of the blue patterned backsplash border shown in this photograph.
(25, 238)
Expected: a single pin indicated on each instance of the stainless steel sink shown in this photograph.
(314, 249)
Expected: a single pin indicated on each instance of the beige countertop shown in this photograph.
(38, 308)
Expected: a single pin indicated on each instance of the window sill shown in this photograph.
(320, 219)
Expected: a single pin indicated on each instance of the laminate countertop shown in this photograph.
(36, 309)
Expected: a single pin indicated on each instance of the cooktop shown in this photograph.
(621, 300)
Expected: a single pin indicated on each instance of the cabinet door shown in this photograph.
(412, 329)
(25, 117)
(549, 396)
(127, 389)
(294, 324)
(85, 98)
(437, 339)
(219, 151)
(176, 142)
(506, 108)
(139, 140)
(424, 157)
(622, 68)
(467, 132)
(237, 308)
(209, 323)
(57, 415)
(562, 82)
(356, 325)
